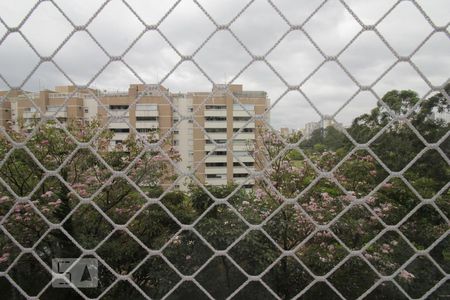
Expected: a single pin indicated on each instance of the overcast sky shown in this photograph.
(222, 58)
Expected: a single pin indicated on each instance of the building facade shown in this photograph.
(213, 131)
(327, 121)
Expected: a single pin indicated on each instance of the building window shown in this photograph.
(241, 119)
(209, 142)
(244, 130)
(216, 130)
(145, 130)
(248, 164)
(240, 175)
(216, 176)
(217, 153)
(118, 107)
(215, 119)
(146, 119)
(120, 130)
(215, 107)
(216, 164)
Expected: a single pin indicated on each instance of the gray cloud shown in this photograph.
(259, 27)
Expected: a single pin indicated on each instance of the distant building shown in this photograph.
(310, 128)
(445, 116)
(327, 121)
(220, 116)
(285, 132)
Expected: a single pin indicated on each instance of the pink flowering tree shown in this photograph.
(84, 174)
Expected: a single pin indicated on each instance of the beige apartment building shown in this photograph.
(212, 130)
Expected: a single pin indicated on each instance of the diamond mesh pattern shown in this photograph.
(191, 273)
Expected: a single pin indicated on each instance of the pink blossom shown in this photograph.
(386, 248)
(370, 200)
(326, 197)
(119, 210)
(386, 206)
(78, 185)
(55, 203)
(90, 179)
(47, 194)
(378, 211)
(27, 207)
(4, 257)
(83, 193)
(44, 142)
(368, 256)
(349, 197)
(159, 158)
(387, 185)
(405, 275)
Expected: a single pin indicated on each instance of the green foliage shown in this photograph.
(57, 201)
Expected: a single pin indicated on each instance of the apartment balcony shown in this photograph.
(241, 147)
(243, 113)
(217, 135)
(245, 135)
(215, 113)
(215, 170)
(118, 125)
(242, 170)
(211, 147)
(119, 112)
(246, 158)
(147, 124)
(216, 124)
(147, 113)
(240, 124)
(216, 158)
